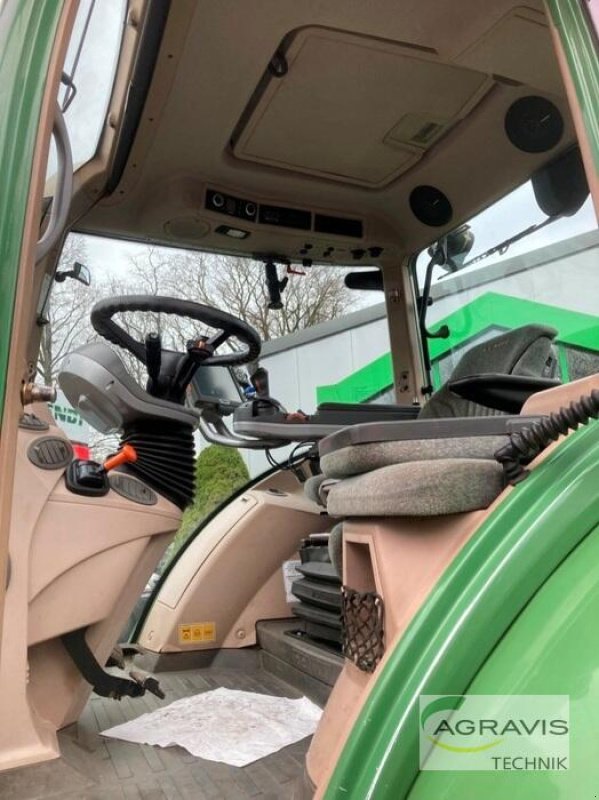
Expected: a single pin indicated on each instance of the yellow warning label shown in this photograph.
(197, 632)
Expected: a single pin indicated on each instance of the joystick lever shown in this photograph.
(259, 380)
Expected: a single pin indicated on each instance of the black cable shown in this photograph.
(292, 459)
(272, 461)
(527, 443)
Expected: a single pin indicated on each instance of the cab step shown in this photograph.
(309, 667)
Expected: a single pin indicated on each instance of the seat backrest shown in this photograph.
(522, 351)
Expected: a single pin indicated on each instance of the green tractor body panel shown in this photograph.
(551, 649)
(488, 585)
(579, 41)
(27, 33)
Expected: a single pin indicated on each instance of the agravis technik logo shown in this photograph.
(494, 732)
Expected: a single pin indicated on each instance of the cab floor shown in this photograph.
(95, 768)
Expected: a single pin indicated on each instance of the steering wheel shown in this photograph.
(170, 372)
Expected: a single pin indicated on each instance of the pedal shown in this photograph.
(148, 683)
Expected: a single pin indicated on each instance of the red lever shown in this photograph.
(125, 456)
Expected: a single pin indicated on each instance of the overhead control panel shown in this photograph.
(231, 206)
(300, 235)
(282, 216)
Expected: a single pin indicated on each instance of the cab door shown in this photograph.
(575, 30)
(33, 41)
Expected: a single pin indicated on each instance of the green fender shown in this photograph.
(476, 601)
(552, 648)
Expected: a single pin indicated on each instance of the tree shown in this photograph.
(237, 285)
(220, 471)
(67, 314)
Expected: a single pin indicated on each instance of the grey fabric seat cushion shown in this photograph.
(311, 487)
(372, 456)
(317, 487)
(418, 489)
(336, 548)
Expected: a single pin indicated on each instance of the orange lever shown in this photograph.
(124, 456)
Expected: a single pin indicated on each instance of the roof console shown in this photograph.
(282, 216)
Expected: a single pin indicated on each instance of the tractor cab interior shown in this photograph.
(323, 135)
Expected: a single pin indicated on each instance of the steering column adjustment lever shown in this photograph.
(153, 344)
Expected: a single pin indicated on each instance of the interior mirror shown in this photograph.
(370, 280)
(274, 286)
(79, 273)
(561, 186)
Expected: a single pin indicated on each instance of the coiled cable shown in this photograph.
(527, 443)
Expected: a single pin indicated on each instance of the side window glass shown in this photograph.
(511, 266)
(90, 67)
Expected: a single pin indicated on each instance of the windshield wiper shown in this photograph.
(503, 247)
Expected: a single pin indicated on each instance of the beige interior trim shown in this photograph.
(581, 132)
(402, 559)
(231, 575)
(292, 127)
(184, 148)
(90, 179)
(400, 309)
(59, 543)
(25, 303)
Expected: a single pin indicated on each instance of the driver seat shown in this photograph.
(526, 351)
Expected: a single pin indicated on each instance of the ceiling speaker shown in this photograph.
(186, 228)
(430, 206)
(534, 124)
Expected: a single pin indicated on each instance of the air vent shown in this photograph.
(30, 422)
(132, 489)
(338, 226)
(50, 452)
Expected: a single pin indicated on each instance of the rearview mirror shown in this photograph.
(561, 186)
(79, 273)
(450, 252)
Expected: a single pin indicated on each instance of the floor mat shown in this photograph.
(227, 725)
(96, 768)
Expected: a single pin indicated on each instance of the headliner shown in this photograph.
(330, 136)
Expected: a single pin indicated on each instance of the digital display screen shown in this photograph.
(215, 383)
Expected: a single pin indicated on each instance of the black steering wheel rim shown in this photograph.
(104, 310)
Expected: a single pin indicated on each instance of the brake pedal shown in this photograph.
(148, 683)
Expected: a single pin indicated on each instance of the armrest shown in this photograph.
(343, 414)
(421, 429)
(506, 393)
